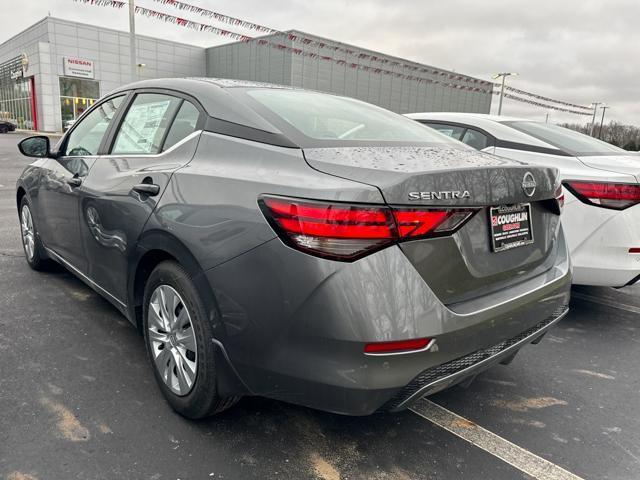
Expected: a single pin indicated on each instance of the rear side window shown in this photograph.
(452, 131)
(86, 137)
(475, 139)
(313, 118)
(184, 124)
(565, 139)
(144, 126)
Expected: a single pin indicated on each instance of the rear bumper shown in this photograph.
(599, 240)
(294, 326)
(444, 376)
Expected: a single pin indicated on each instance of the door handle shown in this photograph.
(74, 181)
(150, 189)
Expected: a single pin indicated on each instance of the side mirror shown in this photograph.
(37, 147)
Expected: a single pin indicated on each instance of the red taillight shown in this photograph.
(617, 196)
(634, 250)
(400, 346)
(347, 232)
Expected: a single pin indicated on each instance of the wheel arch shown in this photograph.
(20, 193)
(153, 247)
(156, 246)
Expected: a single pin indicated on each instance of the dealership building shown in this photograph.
(54, 70)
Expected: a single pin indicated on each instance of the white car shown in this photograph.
(602, 194)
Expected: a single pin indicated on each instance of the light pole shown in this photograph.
(593, 120)
(504, 75)
(132, 40)
(604, 109)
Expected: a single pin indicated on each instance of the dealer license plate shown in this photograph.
(511, 226)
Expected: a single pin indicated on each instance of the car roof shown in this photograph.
(493, 124)
(462, 115)
(215, 96)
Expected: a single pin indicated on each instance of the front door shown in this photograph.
(123, 187)
(58, 196)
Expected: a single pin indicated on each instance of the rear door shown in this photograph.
(157, 134)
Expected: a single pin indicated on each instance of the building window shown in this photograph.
(16, 95)
(76, 95)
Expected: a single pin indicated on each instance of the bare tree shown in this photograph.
(619, 134)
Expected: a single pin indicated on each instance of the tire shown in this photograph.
(4, 129)
(175, 348)
(34, 251)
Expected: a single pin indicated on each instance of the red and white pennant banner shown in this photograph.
(543, 105)
(546, 99)
(218, 16)
(280, 46)
(319, 44)
(105, 3)
(201, 27)
(301, 52)
(360, 55)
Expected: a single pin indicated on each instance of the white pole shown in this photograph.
(132, 40)
(593, 120)
(504, 76)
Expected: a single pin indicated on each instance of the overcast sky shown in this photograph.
(574, 50)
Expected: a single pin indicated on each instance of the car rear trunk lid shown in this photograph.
(624, 164)
(462, 266)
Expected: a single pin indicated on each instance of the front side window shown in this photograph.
(323, 119)
(567, 140)
(144, 126)
(86, 137)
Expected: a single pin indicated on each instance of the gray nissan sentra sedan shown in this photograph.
(297, 245)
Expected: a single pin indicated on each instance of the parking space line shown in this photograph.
(518, 457)
(606, 302)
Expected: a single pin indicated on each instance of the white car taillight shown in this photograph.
(616, 196)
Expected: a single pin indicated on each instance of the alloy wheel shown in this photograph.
(26, 227)
(172, 339)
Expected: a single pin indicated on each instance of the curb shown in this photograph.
(33, 132)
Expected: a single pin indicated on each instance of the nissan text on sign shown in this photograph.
(78, 67)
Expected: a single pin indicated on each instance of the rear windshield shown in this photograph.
(317, 119)
(568, 140)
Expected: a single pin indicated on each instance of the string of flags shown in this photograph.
(319, 44)
(280, 46)
(237, 22)
(543, 105)
(546, 99)
(202, 27)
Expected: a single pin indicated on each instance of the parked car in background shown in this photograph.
(602, 193)
(67, 124)
(298, 245)
(7, 126)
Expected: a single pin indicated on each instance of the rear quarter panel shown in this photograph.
(212, 203)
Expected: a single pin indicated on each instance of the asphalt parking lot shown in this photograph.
(78, 399)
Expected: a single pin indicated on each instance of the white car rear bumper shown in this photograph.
(599, 240)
